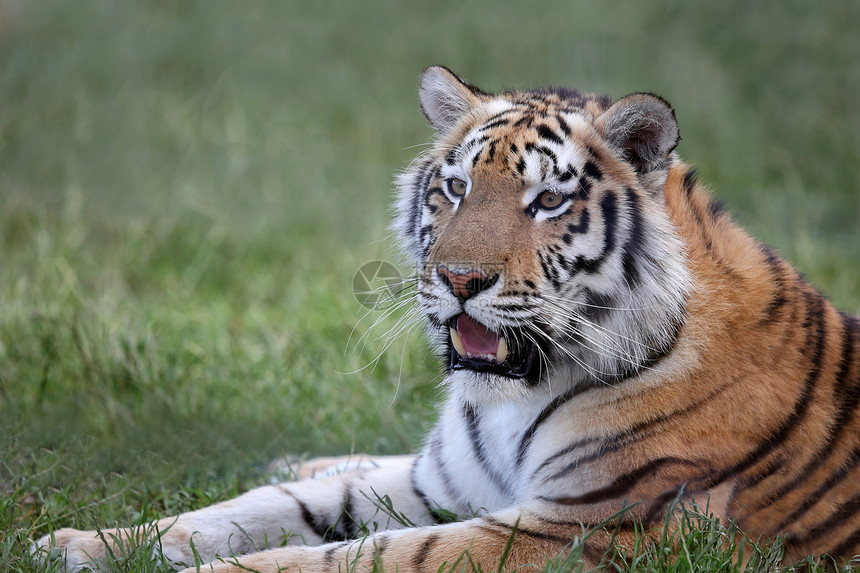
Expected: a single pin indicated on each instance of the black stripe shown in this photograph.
(419, 559)
(563, 125)
(495, 123)
(470, 146)
(447, 481)
(422, 182)
(567, 174)
(517, 530)
(414, 213)
(500, 115)
(597, 306)
(848, 547)
(471, 417)
(851, 329)
(551, 154)
(419, 493)
(328, 556)
(749, 481)
(847, 412)
(350, 527)
(717, 209)
(514, 306)
(703, 229)
(570, 448)
(521, 165)
(626, 436)
(846, 511)
(835, 479)
(436, 190)
(545, 132)
(426, 239)
(659, 506)
(451, 156)
(582, 225)
(575, 524)
(691, 177)
(492, 531)
(562, 261)
(584, 188)
(649, 427)
(609, 210)
(622, 484)
(634, 246)
(778, 298)
(380, 544)
(482, 139)
(316, 523)
(848, 397)
(594, 554)
(844, 384)
(491, 151)
(548, 411)
(815, 311)
(592, 171)
(527, 119)
(696, 211)
(548, 272)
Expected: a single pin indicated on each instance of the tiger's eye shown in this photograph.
(550, 200)
(457, 187)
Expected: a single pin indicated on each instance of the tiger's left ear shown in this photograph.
(643, 127)
(445, 98)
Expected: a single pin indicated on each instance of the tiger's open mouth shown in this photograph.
(473, 346)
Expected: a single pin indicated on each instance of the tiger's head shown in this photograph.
(547, 257)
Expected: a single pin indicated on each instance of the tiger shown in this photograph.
(613, 344)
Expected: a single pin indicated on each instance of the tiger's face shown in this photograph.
(547, 256)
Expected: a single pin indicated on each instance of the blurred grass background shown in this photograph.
(187, 188)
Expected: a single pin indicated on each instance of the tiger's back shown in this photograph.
(784, 363)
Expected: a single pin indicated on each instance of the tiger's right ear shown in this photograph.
(643, 127)
(445, 98)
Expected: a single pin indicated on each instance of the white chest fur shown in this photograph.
(487, 454)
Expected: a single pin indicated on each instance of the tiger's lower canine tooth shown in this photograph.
(457, 342)
(502, 350)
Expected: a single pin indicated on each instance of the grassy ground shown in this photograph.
(186, 190)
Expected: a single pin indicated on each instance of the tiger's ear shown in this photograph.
(643, 127)
(445, 98)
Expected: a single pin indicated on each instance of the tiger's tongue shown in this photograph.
(476, 337)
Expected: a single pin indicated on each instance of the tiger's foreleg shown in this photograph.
(504, 541)
(311, 511)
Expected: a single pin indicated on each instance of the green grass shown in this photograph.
(186, 190)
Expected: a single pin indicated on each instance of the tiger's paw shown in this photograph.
(102, 550)
(76, 549)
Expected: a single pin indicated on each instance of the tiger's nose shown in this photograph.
(467, 284)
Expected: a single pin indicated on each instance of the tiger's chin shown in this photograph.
(487, 389)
